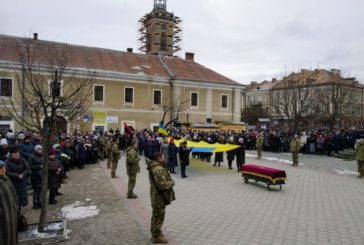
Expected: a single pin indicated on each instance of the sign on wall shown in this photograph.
(111, 119)
(100, 117)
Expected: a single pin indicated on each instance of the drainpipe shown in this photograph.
(233, 105)
(172, 77)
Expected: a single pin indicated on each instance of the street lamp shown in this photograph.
(188, 113)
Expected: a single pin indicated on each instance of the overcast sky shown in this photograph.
(243, 39)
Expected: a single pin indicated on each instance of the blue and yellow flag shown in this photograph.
(162, 130)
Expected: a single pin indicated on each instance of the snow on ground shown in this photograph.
(274, 159)
(346, 172)
(77, 210)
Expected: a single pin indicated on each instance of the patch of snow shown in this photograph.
(136, 68)
(77, 211)
(88, 199)
(95, 169)
(346, 172)
(146, 66)
(274, 159)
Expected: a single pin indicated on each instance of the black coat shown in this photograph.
(3, 153)
(8, 212)
(184, 156)
(231, 155)
(54, 178)
(172, 155)
(15, 168)
(36, 163)
(219, 156)
(240, 155)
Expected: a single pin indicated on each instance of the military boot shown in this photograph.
(132, 196)
(159, 239)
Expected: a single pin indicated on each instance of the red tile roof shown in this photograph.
(118, 61)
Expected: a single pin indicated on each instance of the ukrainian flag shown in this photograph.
(162, 130)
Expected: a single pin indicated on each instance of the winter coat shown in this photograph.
(36, 163)
(3, 153)
(9, 211)
(15, 168)
(81, 151)
(240, 155)
(184, 156)
(172, 155)
(230, 155)
(219, 156)
(26, 149)
(54, 178)
(164, 150)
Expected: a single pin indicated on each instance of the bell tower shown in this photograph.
(160, 31)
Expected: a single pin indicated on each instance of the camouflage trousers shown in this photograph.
(114, 165)
(131, 183)
(108, 164)
(361, 168)
(259, 153)
(158, 214)
(295, 158)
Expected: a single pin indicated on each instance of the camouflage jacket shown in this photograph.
(132, 161)
(259, 143)
(115, 152)
(161, 185)
(295, 145)
(359, 152)
(108, 148)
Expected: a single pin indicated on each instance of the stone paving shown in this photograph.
(214, 205)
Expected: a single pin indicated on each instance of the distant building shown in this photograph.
(315, 96)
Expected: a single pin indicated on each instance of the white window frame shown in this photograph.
(129, 103)
(161, 97)
(12, 88)
(130, 123)
(49, 88)
(10, 123)
(227, 102)
(103, 95)
(198, 98)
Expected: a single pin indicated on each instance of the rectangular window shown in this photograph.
(194, 99)
(157, 97)
(99, 93)
(224, 101)
(55, 88)
(128, 95)
(6, 87)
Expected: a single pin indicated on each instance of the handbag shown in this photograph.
(22, 223)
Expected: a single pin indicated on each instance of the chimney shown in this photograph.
(129, 50)
(190, 56)
(274, 80)
(35, 36)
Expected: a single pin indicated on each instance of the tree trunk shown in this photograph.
(42, 217)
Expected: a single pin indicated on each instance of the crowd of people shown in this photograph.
(22, 154)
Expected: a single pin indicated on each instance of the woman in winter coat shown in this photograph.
(36, 164)
(54, 176)
(240, 154)
(172, 156)
(17, 170)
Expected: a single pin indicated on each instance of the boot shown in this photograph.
(159, 239)
(132, 196)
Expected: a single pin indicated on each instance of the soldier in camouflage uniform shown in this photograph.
(359, 148)
(132, 167)
(108, 152)
(259, 145)
(295, 149)
(115, 156)
(102, 145)
(161, 195)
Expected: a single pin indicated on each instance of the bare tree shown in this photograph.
(337, 103)
(252, 114)
(48, 91)
(176, 110)
(293, 100)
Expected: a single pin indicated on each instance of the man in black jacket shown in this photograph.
(184, 158)
(8, 210)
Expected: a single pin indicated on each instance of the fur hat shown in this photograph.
(38, 147)
(21, 136)
(3, 142)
